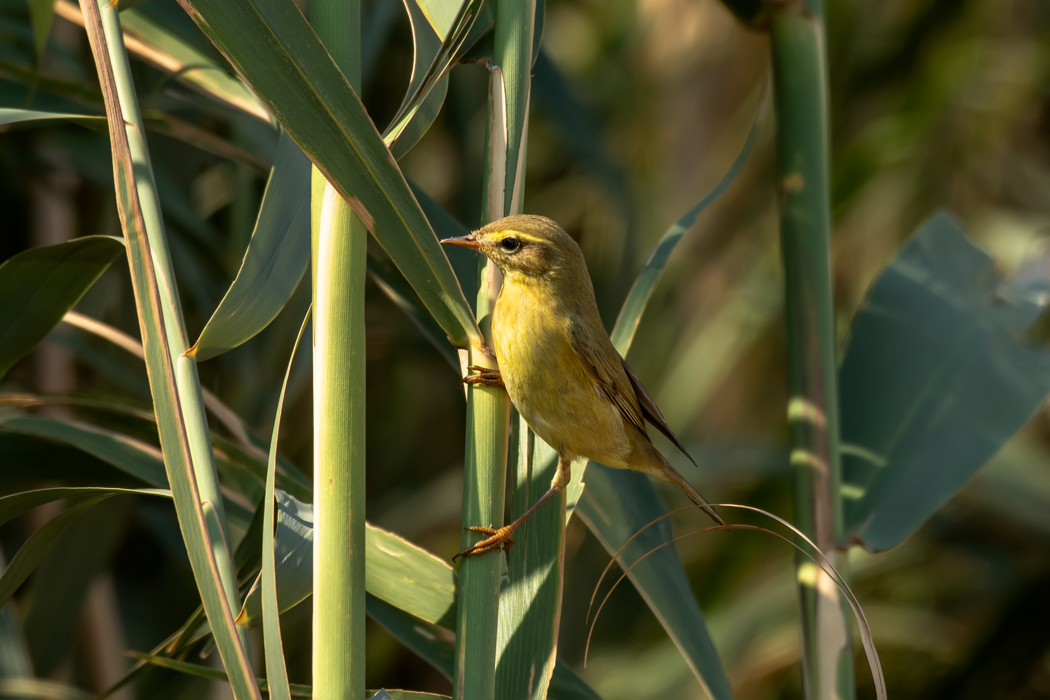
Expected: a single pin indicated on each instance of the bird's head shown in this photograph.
(532, 246)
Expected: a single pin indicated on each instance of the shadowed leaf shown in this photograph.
(935, 379)
(38, 286)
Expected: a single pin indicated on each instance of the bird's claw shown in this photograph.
(485, 376)
(498, 540)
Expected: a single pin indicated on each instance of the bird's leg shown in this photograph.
(499, 538)
(485, 376)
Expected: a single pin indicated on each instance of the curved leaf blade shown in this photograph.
(18, 116)
(38, 287)
(174, 383)
(276, 671)
(164, 50)
(274, 263)
(273, 47)
(37, 546)
(17, 503)
(642, 289)
(132, 456)
(617, 504)
(397, 571)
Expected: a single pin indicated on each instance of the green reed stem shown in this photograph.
(800, 97)
(340, 254)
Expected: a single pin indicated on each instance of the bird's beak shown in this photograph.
(465, 241)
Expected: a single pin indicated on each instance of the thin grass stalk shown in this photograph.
(339, 243)
(530, 602)
(174, 383)
(488, 415)
(186, 377)
(800, 98)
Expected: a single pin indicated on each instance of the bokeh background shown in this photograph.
(638, 108)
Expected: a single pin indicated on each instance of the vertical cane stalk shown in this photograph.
(339, 256)
(174, 383)
(488, 409)
(800, 97)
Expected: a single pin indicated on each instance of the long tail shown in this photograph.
(672, 476)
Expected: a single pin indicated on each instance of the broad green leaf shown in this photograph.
(174, 382)
(277, 256)
(38, 286)
(132, 456)
(434, 644)
(163, 49)
(396, 570)
(440, 14)
(935, 379)
(276, 671)
(275, 50)
(616, 505)
(17, 116)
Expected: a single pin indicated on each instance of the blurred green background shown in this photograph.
(638, 108)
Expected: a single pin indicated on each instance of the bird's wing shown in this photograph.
(607, 374)
(651, 411)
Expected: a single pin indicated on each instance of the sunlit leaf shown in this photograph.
(174, 382)
(396, 570)
(17, 116)
(154, 44)
(277, 256)
(275, 50)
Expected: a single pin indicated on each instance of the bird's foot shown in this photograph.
(498, 539)
(484, 376)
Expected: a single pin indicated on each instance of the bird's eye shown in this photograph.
(510, 244)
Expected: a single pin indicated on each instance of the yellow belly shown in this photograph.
(549, 386)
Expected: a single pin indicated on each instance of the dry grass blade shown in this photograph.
(820, 560)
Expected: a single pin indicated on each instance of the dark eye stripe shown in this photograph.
(510, 244)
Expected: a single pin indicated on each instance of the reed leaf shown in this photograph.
(276, 671)
(917, 418)
(278, 54)
(274, 263)
(150, 42)
(173, 378)
(38, 287)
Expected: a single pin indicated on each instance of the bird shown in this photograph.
(557, 363)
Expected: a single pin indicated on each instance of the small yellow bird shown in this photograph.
(558, 365)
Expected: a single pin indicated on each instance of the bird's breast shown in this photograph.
(546, 381)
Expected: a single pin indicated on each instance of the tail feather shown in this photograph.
(670, 475)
